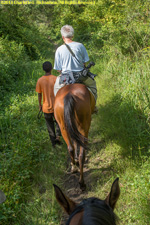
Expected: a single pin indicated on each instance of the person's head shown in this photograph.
(47, 66)
(67, 31)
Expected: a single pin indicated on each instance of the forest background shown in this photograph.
(116, 34)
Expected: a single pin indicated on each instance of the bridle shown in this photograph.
(94, 202)
(77, 210)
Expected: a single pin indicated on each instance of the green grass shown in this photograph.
(119, 137)
(28, 163)
(119, 147)
(106, 163)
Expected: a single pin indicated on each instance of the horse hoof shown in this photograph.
(82, 187)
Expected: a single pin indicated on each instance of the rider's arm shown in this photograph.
(85, 56)
(57, 63)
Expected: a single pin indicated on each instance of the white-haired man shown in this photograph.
(69, 65)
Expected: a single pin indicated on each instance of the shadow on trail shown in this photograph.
(120, 122)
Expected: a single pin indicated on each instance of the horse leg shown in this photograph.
(81, 163)
(76, 149)
(71, 151)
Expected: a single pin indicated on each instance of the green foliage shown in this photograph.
(27, 160)
(17, 25)
(21, 41)
(116, 35)
(122, 24)
(121, 133)
(126, 100)
(13, 64)
(28, 31)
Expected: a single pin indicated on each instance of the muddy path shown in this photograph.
(72, 188)
(71, 181)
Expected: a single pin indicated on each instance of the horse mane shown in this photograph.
(70, 121)
(97, 212)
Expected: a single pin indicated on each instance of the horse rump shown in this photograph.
(71, 122)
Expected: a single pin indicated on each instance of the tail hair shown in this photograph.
(70, 122)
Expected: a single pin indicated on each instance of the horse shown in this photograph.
(91, 211)
(73, 107)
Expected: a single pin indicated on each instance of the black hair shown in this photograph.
(96, 212)
(47, 66)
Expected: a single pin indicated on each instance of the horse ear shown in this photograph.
(65, 202)
(114, 194)
(2, 197)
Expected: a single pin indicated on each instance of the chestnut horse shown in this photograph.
(91, 211)
(73, 107)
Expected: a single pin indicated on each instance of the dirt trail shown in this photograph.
(72, 188)
(71, 181)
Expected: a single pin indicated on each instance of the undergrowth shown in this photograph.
(120, 137)
(27, 160)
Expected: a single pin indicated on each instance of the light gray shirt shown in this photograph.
(64, 60)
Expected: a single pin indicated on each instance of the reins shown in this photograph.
(77, 210)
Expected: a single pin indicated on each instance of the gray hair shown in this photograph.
(67, 31)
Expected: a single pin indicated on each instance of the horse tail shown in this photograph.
(70, 121)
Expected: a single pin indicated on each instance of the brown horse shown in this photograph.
(91, 211)
(73, 107)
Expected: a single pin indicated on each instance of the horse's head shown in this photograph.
(91, 211)
(2, 197)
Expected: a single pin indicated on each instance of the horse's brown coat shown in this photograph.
(82, 110)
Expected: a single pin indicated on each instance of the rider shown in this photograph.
(68, 65)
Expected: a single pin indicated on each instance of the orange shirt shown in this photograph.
(45, 85)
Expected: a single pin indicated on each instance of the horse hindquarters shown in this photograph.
(59, 116)
(77, 119)
(73, 113)
(72, 120)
